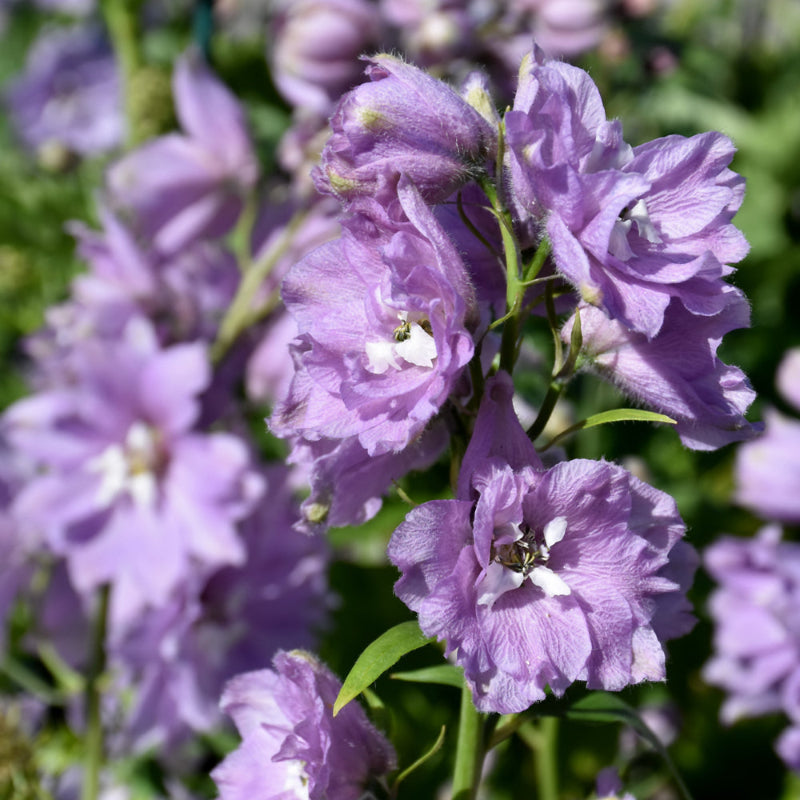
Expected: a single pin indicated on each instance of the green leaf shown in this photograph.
(616, 415)
(379, 656)
(603, 707)
(443, 674)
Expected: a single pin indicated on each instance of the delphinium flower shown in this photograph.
(316, 45)
(756, 612)
(184, 294)
(69, 95)
(677, 372)
(435, 35)
(128, 492)
(403, 121)
(383, 315)
(177, 658)
(538, 578)
(631, 228)
(181, 187)
(768, 468)
(292, 745)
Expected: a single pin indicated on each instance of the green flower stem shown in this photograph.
(543, 740)
(122, 21)
(469, 749)
(93, 757)
(241, 313)
(554, 391)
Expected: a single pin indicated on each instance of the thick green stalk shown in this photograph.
(93, 756)
(469, 749)
(241, 314)
(122, 21)
(542, 738)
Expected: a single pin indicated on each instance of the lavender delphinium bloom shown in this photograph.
(403, 121)
(177, 658)
(756, 611)
(292, 746)
(631, 228)
(69, 95)
(384, 315)
(316, 48)
(179, 188)
(128, 492)
(538, 578)
(677, 372)
(768, 469)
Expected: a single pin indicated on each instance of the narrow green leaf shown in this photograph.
(379, 656)
(443, 674)
(603, 707)
(616, 415)
(437, 745)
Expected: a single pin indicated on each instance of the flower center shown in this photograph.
(412, 341)
(296, 779)
(131, 467)
(637, 214)
(525, 557)
(524, 554)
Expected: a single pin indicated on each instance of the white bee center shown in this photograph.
(524, 558)
(130, 467)
(411, 342)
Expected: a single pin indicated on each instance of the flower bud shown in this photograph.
(403, 121)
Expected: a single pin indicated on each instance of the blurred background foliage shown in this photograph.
(693, 65)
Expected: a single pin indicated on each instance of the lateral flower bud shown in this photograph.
(403, 121)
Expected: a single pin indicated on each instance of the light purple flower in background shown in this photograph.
(756, 612)
(609, 786)
(548, 577)
(677, 372)
(383, 315)
(177, 658)
(630, 228)
(292, 746)
(316, 48)
(435, 34)
(185, 294)
(128, 492)
(788, 747)
(403, 121)
(15, 569)
(767, 470)
(788, 376)
(183, 187)
(69, 94)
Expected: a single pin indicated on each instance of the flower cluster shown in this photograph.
(534, 578)
(756, 605)
(756, 609)
(377, 304)
(115, 474)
